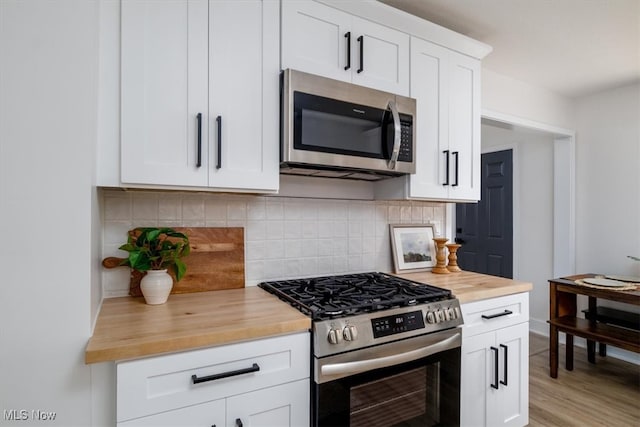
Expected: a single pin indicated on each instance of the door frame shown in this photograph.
(564, 234)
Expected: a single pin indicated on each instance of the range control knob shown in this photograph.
(350, 333)
(335, 336)
(431, 317)
(441, 316)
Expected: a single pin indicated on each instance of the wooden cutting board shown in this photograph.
(216, 261)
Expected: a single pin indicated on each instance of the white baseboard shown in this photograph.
(542, 328)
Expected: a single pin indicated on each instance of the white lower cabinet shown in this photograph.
(495, 362)
(252, 384)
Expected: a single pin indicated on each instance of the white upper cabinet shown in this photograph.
(446, 86)
(322, 40)
(164, 86)
(199, 99)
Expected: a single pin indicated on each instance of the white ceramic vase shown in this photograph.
(156, 286)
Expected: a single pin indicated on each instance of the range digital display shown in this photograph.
(397, 324)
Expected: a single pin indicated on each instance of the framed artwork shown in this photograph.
(413, 247)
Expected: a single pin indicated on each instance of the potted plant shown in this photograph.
(153, 250)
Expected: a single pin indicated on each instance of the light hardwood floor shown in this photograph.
(604, 394)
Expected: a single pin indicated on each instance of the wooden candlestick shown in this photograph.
(453, 257)
(441, 256)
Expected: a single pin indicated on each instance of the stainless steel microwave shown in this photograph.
(341, 130)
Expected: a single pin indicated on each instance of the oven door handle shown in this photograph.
(383, 362)
(397, 133)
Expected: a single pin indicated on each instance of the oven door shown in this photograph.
(412, 382)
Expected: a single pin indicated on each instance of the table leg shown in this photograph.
(553, 351)
(569, 353)
(591, 351)
(602, 349)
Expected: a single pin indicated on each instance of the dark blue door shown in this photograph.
(485, 229)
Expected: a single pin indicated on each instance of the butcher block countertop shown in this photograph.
(468, 286)
(128, 328)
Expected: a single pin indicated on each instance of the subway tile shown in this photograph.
(309, 248)
(292, 229)
(275, 230)
(325, 265)
(145, 207)
(169, 207)
(237, 210)
(284, 236)
(215, 209)
(293, 248)
(309, 230)
(117, 207)
(325, 247)
(275, 209)
(257, 209)
(256, 230)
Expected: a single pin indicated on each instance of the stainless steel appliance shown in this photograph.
(386, 351)
(341, 130)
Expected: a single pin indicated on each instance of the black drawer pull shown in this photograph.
(348, 37)
(219, 122)
(196, 380)
(361, 41)
(506, 364)
(199, 159)
(494, 384)
(446, 162)
(238, 422)
(493, 316)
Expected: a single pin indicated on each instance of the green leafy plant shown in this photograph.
(153, 248)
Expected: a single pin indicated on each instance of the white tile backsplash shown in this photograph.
(284, 237)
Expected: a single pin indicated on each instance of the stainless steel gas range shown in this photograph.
(385, 350)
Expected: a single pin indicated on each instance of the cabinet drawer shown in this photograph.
(163, 383)
(499, 313)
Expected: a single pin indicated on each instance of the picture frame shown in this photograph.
(413, 247)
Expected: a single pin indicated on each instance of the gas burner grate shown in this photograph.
(337, 296)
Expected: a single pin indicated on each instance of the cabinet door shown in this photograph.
(314, 39)
(512, 405)
(385, 55)
(464, 127)
(244, 94)
(163, 88)
(430, 89)
(282, 406)
(210, 414)
(476, 369)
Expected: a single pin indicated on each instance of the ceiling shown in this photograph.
(571, 47)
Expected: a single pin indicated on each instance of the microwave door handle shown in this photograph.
(396, 135)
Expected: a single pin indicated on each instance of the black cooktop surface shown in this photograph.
(350, 294)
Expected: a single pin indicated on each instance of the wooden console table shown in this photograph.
(563, 317)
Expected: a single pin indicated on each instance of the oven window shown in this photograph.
(421, 393)
(397, 399)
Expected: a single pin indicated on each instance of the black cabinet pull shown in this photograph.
(493, 316)
(348, 37)
(506, 364)
(455, 153)
(494, 384)
(199, 159)
(361, 41)
(238, 422)
(446, 162)
(219, 161)
(196, 380)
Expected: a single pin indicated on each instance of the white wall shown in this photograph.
(533, 210)
(510, 96)
(48, 53)
(608, 181)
